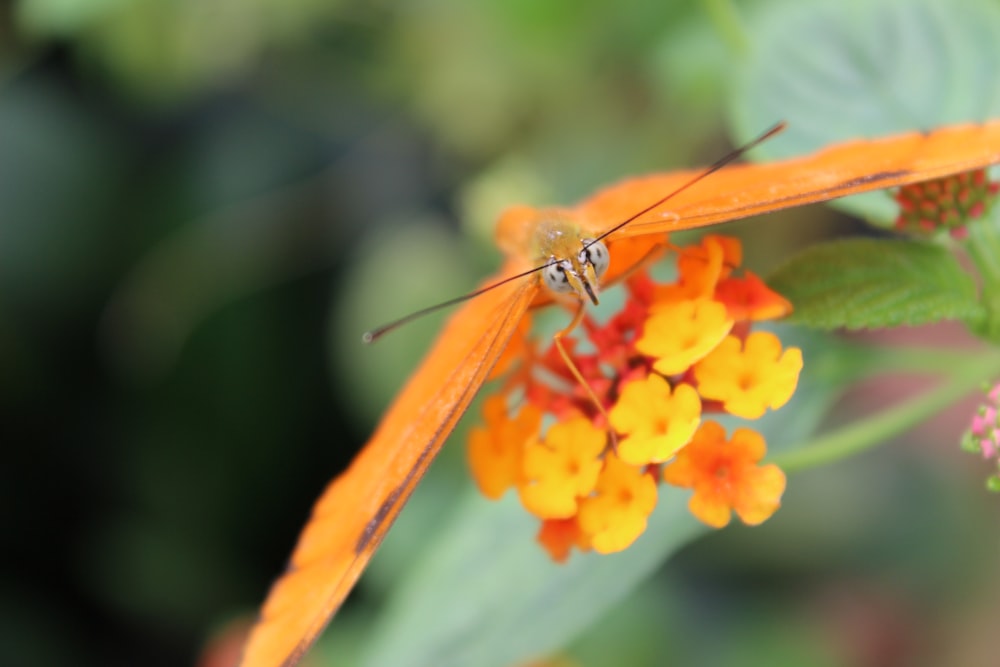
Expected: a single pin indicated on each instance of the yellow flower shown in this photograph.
(678, 334)
(562, 468)
(496, 449)
(616, 515)
(749, 376)
(725, 476)
(655, 421)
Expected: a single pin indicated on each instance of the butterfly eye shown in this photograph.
(595, 253)
(555, 277)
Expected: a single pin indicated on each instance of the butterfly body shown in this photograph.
(569, 261)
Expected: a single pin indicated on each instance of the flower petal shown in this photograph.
(562, 468)
(616, 515)
(678, 334)
(655, 420)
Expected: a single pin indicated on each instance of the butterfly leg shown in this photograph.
(557, 339)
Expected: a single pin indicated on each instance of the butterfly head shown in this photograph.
(580, 273)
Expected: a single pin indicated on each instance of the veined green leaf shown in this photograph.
(870, 283)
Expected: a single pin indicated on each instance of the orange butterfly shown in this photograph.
(356, 510)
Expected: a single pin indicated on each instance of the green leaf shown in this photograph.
(844, 69)
(868, 283)
(487, 595)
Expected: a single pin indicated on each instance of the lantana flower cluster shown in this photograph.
(675, 354)
(983, 435)
(946, 203)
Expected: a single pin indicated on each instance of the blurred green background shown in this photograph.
(204, 204)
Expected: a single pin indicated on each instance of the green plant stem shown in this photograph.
(727, 22)
(983, 246)
(881, 359)
(868, 433)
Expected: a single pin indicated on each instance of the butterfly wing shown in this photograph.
(354, 513)
(744, 190)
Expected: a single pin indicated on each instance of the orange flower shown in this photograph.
(680, 333)
(749, 376)
(496, 449)
(562, 468)
(725, 476)
(615, 516)
(558, 536)
(748, 298)
(701, 267)
(656, 421)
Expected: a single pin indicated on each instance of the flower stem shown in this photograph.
(983, 246)
(868, 433)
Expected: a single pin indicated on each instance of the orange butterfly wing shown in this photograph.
(740, 191)
(354, 513)
(357, 509)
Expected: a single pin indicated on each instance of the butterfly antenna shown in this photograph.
(715, 166)
(374, 334)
